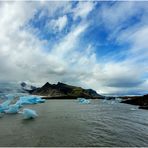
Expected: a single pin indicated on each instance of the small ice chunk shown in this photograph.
(29, 113)
(133, 109)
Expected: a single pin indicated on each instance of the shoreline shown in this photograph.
(67, 97)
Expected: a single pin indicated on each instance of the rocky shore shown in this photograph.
(141, 101)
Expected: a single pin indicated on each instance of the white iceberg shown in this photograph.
(133, 109)
(118, 100)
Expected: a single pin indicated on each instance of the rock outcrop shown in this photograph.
(61, 90)
(27, 87)
(142, 101)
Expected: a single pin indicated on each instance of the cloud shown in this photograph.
(51, 8)
(58, 24)
(83, 9)
(27, 59)
(26, 56)
(130, 32)
(69, 42)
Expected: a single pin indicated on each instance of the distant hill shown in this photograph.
(61, 90)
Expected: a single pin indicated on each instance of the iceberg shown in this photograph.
(7, 107)
(4, 106)
(10, 96)
(118, 100)
(29, 100)
(29, 113)
(13, 109)
(83, 101)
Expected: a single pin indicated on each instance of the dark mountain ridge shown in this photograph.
(60, 90)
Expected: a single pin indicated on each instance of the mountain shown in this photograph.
(27, 87)
(61, 90)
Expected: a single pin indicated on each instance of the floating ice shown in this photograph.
(10, 96)
(118, 100)
(7, 107)
(29, 113)
(112, 100)
(29, 100)
(83, 101)
(4, 106)
(133, 109)
(13, 109)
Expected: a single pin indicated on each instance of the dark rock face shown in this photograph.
(23, 84)
(61, 90)
(92, 92)
(142, 101)
(143, 107)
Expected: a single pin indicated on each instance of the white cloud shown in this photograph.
(69, 42)
(21, 51)
(114, 16)
(22, 54)
(83, 9)
(58, 24)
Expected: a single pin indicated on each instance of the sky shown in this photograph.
(92, 44)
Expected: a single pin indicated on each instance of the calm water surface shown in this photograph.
(68, 123)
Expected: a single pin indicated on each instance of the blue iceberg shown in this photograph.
(29, 100)
(7, 107)
(29, 113)
(4, 106)
(13, 109)
(83, 101)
